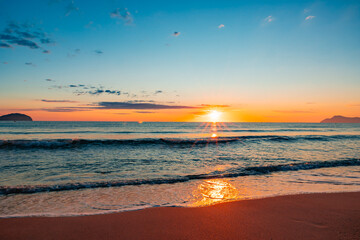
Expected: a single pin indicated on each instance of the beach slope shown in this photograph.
(307, 216)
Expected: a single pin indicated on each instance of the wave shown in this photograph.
(92, 132)
(164, 132)
(75, 143)
(229, 173)
(277, 130)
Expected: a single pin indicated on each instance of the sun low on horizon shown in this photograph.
(180, 61)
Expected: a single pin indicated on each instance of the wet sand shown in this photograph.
(307, 216)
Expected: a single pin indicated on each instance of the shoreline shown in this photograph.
(302, 216)
(108, 212)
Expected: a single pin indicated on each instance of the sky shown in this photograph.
(252, 61)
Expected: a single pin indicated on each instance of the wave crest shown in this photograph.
(229, 173)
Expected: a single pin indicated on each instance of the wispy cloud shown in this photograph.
(122, 14)
(130, 105)
(4, 45)
(57, 101)
(24, 35)
(49, 80)
(54, 109)
(144, 112)
(269, 19)
(30, 64)
(70, 8)
(98, 52)
(107, 91)
(221, 26)
(82, 89)
(309, 18)
(176, 34)
(65, 109)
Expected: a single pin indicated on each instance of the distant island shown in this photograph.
(15, 117)
(341, 119)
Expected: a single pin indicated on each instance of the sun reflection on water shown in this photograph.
(214, 191)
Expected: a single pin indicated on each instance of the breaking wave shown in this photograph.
(229, 173)
(75, 143)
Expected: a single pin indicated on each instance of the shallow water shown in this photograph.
(75, 168)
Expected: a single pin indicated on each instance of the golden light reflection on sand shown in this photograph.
(214, 191)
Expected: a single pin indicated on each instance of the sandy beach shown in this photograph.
(307, 216)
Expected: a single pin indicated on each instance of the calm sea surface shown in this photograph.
(76, 168)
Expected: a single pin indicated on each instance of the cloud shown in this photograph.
(309, 18)
(306, 10)
(269, 19)
(122, 14)
(24, 35)
(122, 113)
(70, 8)
(83, 89)
(5, 63)
(113, 92)
(64, 109)
(7, 37)
(55, 109)
(144, 112)
(57, 101)
(46, 41)
(176, 34)
(25, 43)
(129, 105)
(101, 91)
(140, 101)
(158, 92)
(98, 52)
(4, 45)
(221, 26)
(49, 80)
(30, 64)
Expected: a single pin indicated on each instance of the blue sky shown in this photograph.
(245, 54)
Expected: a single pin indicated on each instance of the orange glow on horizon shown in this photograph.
(210, 113)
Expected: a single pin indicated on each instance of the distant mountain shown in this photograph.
(15, 117)
(341, 119)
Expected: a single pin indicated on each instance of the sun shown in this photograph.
(214, 116)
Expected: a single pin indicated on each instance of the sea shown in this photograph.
(85, 168)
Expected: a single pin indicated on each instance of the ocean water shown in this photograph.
(80, 168)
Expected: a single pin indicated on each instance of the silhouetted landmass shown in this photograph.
(341, 119)
(15, 117)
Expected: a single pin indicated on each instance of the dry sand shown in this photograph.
(308, 216)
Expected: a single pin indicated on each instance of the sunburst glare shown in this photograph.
(214, 116)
